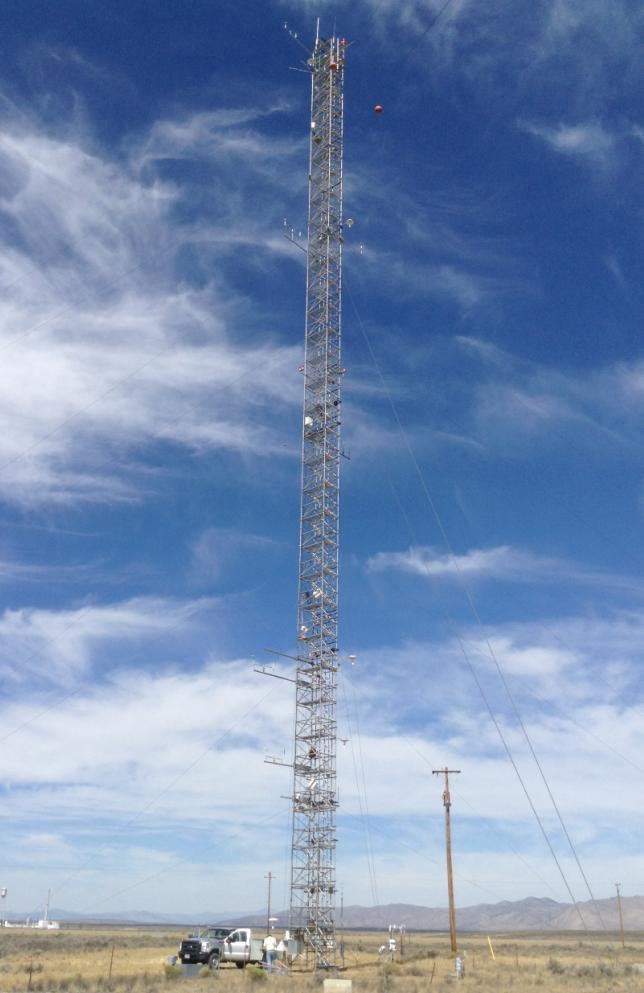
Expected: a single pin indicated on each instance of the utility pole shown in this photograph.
(619, 910)
(315, 799)
(448, 844)
(270, 878)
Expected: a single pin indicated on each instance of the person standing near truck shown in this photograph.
(270, 947)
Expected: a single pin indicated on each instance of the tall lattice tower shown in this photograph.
(313, 885)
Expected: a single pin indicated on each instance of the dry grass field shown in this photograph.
(79, 961)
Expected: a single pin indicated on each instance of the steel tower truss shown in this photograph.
(313, 883)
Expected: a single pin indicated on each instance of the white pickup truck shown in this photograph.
(215, 945)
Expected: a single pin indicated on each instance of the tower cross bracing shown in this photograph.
(314, 801)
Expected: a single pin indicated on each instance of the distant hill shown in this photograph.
(531, 914)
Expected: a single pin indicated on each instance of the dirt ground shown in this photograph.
(135, 962)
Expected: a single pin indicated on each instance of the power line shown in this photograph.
(361, 789)
(434, 21)
(470, 601)
(461, 644)
(492, 826)
(427, 858)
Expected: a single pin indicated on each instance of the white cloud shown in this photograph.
(600, 407)
(217, 136)
(585, 140)
(20, 572)
(502, 562)
(441, 244)
(137, 758)
(612, 263)
(104, 350)
(56, 647)
(216, 548)
(573, 680)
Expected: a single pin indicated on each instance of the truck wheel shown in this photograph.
(213, 961)
(240, 965)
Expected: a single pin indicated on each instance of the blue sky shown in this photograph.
(151, 318)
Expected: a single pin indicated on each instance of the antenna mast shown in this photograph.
(314, 801)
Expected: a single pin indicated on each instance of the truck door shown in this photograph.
(239, 945)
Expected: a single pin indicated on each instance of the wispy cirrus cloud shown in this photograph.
(587, 140)
(216, 549)
(566, 54)
(520, 398)
(502, 562)
(570, 49)
(443, 244)
(13, 571)
(106, 349)
(57, 646)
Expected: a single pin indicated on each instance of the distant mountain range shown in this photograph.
(531, 914)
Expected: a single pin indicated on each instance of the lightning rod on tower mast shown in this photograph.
(314, 800)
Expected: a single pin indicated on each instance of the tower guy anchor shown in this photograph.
(448, 845)
(314, 800)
